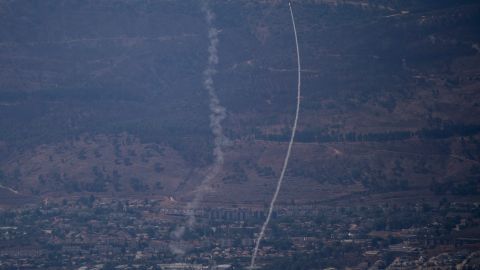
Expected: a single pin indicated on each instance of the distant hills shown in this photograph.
(106, 98)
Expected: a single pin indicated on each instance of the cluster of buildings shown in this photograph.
(90, 233)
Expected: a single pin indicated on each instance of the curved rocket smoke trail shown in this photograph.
(287, 157)
(217, 114)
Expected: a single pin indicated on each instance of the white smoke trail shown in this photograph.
(287, 156)
(9, 189)
(217, 114)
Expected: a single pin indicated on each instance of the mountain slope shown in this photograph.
(106, 98)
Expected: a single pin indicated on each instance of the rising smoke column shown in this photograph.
(287, 156)
(217, 114)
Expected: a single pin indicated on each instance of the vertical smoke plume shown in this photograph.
(217, 114)
(287, 157)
